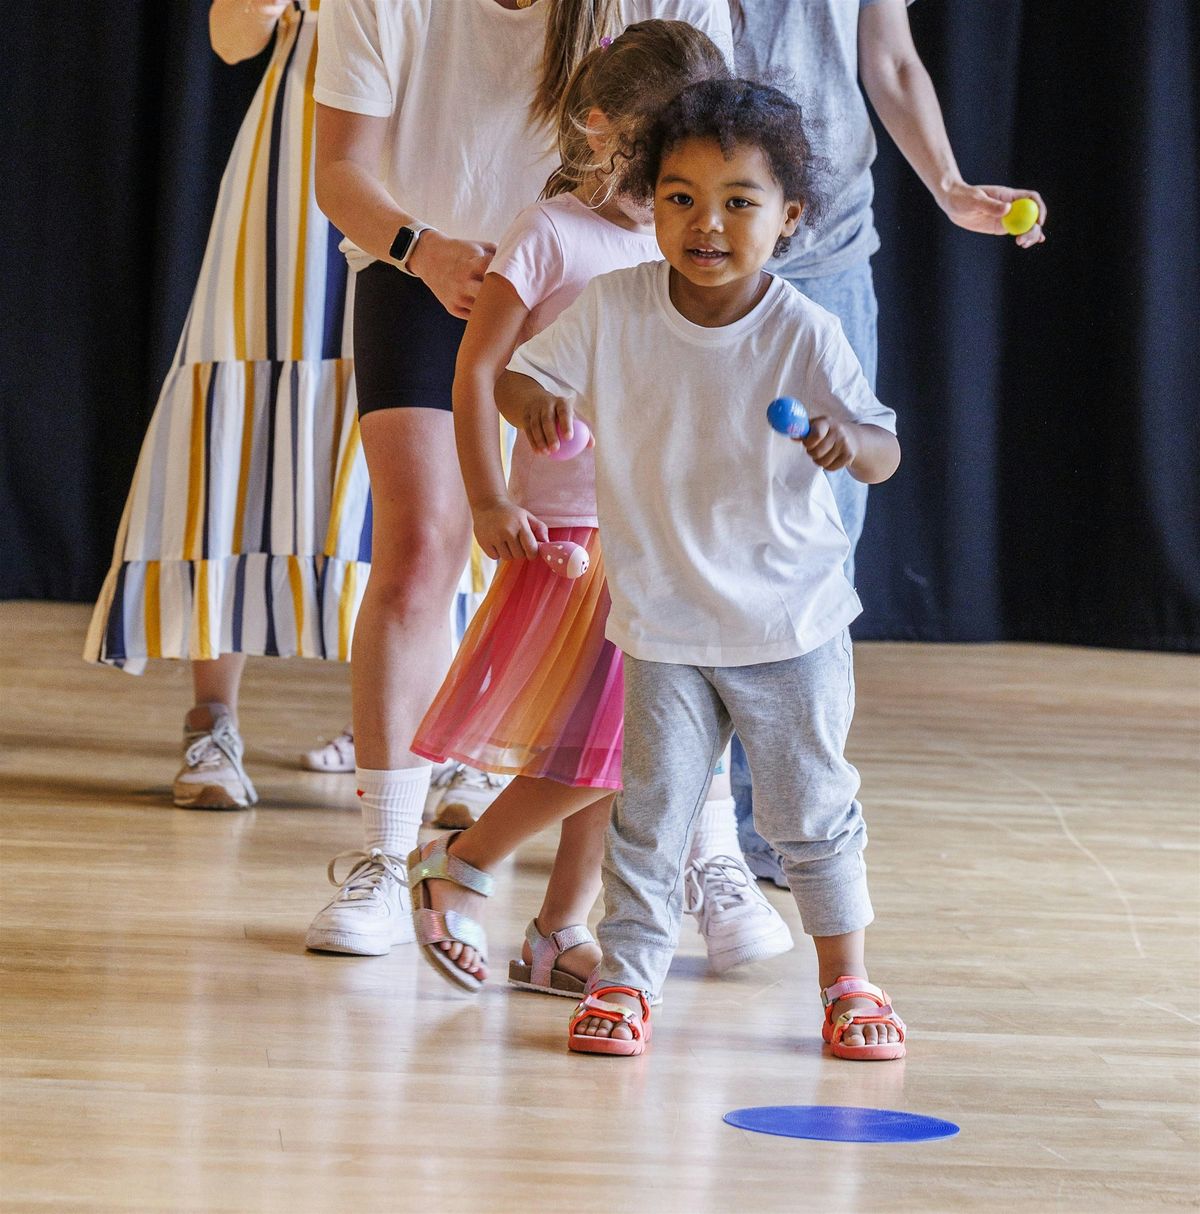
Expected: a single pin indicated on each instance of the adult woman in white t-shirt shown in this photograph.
(432, 133)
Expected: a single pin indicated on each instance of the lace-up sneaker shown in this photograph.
(371, 910)
(212, 775)
(766, 865)
(466, 793)
(734, 917)
(335, 755)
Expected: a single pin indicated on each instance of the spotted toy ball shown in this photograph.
(564, 558)
(788, 416)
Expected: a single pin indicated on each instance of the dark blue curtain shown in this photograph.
(1049, 400)
(1050, 489)
(117, 122)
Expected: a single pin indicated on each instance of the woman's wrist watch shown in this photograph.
(405, 243)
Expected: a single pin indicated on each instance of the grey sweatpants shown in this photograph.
(793, 718)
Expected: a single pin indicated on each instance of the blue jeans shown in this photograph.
(850, 296)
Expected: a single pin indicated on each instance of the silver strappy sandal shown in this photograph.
(433, 862)
(543, 974)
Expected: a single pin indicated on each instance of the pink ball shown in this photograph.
(569, 448)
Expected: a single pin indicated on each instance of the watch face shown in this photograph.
(402, 243)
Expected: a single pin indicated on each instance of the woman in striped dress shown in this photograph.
(247, 529)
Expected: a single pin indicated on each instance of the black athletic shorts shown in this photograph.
(405, 342)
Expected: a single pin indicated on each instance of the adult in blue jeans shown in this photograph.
(821, 50)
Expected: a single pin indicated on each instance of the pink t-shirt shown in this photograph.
(550, 253)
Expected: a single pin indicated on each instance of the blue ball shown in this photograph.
(788, 416)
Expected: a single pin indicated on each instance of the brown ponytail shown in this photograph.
(627, 81)
(573, 27)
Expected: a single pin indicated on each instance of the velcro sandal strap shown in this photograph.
(437, 864)
(884, 1015)
(572, 937)
(595, 999)
(544, 951)
(450, 927)
(849, 987)
(616, 1013)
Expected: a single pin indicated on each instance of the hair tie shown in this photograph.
(605, 42)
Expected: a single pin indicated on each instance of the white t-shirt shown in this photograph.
(551, 252)
(455, 78)
(722, 541)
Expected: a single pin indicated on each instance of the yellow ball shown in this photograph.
(1020, 217)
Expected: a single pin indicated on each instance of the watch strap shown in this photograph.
(413, 232)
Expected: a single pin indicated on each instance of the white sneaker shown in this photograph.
(734, 917)
(335, 755)
(212, 775)
(371, 910)
(767, 866)
(465, 794)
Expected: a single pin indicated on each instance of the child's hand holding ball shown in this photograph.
(831, 444)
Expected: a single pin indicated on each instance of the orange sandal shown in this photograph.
(833, 1031)
(594, 1004)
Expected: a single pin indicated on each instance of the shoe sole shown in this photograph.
(349, 944)
(519, 985)
(519, 977)
(209, 796)
(774, 944)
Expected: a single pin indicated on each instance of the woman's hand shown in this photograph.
(452, 269)
(979, 208)
(506, 532)
(239, 29)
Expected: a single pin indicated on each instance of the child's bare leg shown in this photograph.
(524, 808)
(840, 956)
(575, 884)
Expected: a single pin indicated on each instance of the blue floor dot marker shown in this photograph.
(837, 1123)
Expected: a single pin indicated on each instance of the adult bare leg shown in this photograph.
(420, 540)
(215, 682)
(212, 775)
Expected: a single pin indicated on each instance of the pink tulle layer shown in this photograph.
(535, 689)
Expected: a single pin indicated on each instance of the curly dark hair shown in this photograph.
(735, 112)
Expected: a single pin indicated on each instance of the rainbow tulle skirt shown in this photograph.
(535, 689)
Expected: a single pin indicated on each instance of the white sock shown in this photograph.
(716, 831)
(392, 805)
(716, 826)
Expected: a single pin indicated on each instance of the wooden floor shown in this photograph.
(168, 1044)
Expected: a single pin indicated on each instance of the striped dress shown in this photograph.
(248, 524)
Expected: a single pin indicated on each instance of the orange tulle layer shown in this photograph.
(535, 689)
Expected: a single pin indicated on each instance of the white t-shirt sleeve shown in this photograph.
(351, 69)
(562, 356)
(838, 388)
(530, 257)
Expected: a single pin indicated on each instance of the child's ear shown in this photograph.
(598, 130)
(791, 217)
